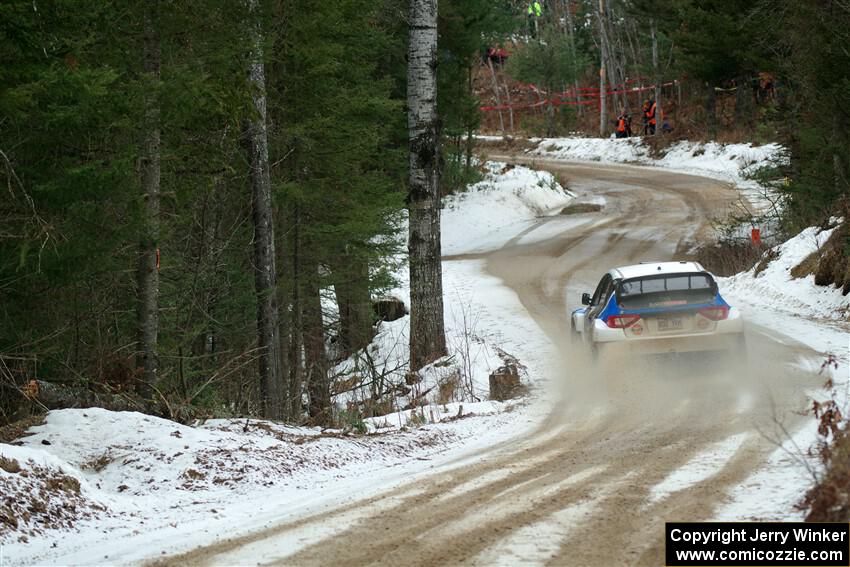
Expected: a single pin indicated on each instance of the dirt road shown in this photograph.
(588, 487)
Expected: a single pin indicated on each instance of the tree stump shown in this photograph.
(504, 383)
(389, 309)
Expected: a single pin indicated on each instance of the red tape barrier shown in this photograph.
(591, 93)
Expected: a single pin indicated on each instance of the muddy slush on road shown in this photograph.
(582, 489)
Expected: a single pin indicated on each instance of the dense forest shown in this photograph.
(204, 198)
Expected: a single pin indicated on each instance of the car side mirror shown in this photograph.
(585, 298)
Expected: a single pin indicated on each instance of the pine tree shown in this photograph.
(716, 45)
(808, 42)
(265, 271)
(465, 28)
(550, 63)
(148, 267)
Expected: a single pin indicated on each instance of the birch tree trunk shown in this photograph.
(743, 101)
(147, 275)
(265, 274)
(427, 332)
(510, 106)
(470, 129)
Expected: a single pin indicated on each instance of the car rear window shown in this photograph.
(666, 291)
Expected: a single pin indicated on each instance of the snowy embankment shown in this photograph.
(485, 327)
(93, 486)
(816, 316)
(498, 208)
(774, 288)
(733, 163)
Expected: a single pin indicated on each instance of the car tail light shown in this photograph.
(715, 313)
(621, 321)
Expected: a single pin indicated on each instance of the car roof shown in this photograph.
(655, 269)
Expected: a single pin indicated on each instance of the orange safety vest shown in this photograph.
(651, 114)
(621, 125)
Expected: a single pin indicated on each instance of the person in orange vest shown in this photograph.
(649, 115)
(620, 129)
(623, 125)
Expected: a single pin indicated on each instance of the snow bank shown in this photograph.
(435, 413)
(730, 161)
(774, 288)
(734, 163)
(815, 316)
(491, 212)
(40, 493)
(138, 455)
(483, 218)
(92, 475)
(605, 150)
(479, 341)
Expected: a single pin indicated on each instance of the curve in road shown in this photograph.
(630, 444)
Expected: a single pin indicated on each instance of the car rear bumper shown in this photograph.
(673, 345)
(727, 335)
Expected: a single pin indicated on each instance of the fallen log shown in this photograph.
(63, 396)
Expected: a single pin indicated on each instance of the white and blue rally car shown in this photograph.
(657, 308)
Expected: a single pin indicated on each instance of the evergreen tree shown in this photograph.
(340, 175)
(550, 63)
(466, 29)
(147, 278)
(716, 45)
(810, 53)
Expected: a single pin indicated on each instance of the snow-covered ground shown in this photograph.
(107, 479)
(774, 288)
(131, 486)
(818, 317)
(698, 157)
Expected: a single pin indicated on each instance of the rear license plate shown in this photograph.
(670, 324)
